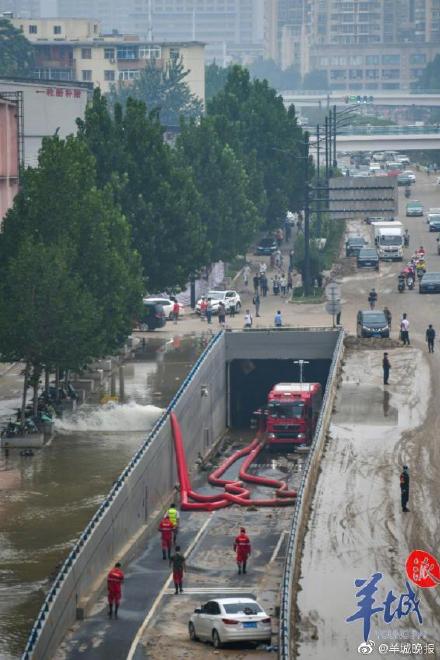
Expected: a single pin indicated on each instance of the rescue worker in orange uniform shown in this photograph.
(242, 547)
(166, 529)
(115, 579)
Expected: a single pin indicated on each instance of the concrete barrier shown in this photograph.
(292, 568)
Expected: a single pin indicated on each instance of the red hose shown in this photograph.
(234, 491)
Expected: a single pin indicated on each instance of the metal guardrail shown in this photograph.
(285, 618)
(384, 130)
(88, 531)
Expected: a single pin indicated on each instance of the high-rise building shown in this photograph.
(231, 29)
(360, 44)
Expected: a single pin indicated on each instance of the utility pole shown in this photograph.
(318, 184)
(306, 283)
(330, 142)
(335, 161)
(326, 148)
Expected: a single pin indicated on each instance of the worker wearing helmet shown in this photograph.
(242, 547)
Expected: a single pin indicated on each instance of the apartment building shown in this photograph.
(75, 49)
(9, 150)
(360, 44)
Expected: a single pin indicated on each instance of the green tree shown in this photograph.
(278, 78)
(316, 79)
(215, 79)
(230, 217)
(251, 117)
(154, 188)
(16, 52)
(430, 78)
(59, 205)
(163, 90)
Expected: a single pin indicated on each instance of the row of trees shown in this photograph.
(115, 211)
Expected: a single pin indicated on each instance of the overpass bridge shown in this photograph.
(301, 99)
(385, 138)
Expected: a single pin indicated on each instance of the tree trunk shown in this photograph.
(46, 381)
(57, 383)
(25, 386)
(36, 381)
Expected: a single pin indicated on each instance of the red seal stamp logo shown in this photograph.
(423, 569)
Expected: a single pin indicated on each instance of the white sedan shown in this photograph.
(228, 298)
(227, 620)
(167, 305)
(410, 174)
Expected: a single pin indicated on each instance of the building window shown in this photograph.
(57, 29)
(356, 74)
(86, 53)
(174, 54)
(129, 74)
(33, 29)
(391, 59)
(390, 74)
(337, 74)
(109, 53)
(372, 60)
(87, 76)
(109, 75)
(417, 58)
(149, 53)
(125, 53)
(371, 74)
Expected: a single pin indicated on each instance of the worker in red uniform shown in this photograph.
(166, 529)
(115, 579)
(242, 547)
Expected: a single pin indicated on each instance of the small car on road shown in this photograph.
(430, 283)
(266, 246)
(353, 245)
(433, 221)
(414, 209)
(372, 323)
(225, 620)
(152, 317)
(368, 258)
(230, 299)
(167, 305)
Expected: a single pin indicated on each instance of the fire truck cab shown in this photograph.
(292, 413)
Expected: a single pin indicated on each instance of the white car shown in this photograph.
(227, 620)
(403, 159)
(410, 174)
(167, 305)
(229, 298)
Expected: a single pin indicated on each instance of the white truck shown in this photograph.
(389, 240)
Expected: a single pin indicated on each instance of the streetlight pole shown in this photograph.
(318, 180)
(306, 283)
(335, 162)
(301, 367)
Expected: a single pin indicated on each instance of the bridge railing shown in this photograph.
(433, 129)
(289, 585)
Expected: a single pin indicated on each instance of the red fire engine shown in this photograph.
(292, 413)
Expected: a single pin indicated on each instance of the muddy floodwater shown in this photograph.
(46, 500)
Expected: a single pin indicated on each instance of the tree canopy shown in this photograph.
(16, 52)
(430, 78)
(162, 89)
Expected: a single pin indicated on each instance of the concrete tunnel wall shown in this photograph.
(148, 481)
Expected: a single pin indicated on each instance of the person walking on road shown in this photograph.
(278, 320)
(166, 528)
(221, 313)
(386, 368)
(176, 310)
(246, 272)
(372, 298)
(177, 561)
(430, 336)
(404, 330)
(256, 283)
(209, 311)
(388, 316)
(263, 284)
(256, 302)
(115, 579)
(283, 284)
(404, 488)
(248, 319)
(242, 547)
(174, 516)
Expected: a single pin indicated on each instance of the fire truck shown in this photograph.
(291, 413)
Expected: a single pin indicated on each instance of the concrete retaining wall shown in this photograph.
(145, 484)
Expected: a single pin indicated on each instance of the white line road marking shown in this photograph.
(277, 547)
(164, 589)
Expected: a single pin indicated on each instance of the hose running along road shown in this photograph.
(234, 491)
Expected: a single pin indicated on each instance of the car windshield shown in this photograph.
(434, 277)
(390, 240)
(414, 205)
(355, 241)
(368, 253)
(242, 608)
(216, 295)
(374, 318)
(282, 410)
(434, 218)
(266, 242)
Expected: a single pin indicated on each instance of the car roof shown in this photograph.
(226, 601)
(368, 249)
(356, 238)
(428, 275)
(370, 312)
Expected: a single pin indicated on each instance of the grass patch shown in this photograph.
(299, 297)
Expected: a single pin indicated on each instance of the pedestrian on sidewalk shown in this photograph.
(404, 330)
(174, 516)
(263, 284)
(283, 284)
(166, 528)
(278, 320)
(262, 269)
(177, 561)
(276, 285)
(404, 488)
(256, 283)
(221, 313)
(176, 310)
(430, 336)
(256, 302)
(289, 281)
(246, 273)
(115, 579)
(291, 259)
(242, 547)
(388, 316)
(209, 311)
(248, 319)
(386, 368)
(203, 308)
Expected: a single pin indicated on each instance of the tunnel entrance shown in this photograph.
(251, 380)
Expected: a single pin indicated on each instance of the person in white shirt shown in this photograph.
(248, 319)
(404, 330)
